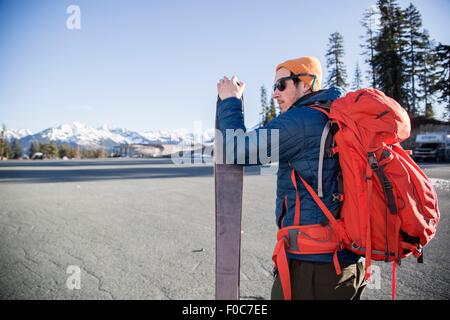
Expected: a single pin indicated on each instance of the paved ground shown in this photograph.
(145, 230)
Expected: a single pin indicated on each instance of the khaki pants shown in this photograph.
(319, 281)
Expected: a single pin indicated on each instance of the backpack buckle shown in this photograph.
(354, 246)
(293, 244)
(373, 161)
(332, 151)
(338, 197)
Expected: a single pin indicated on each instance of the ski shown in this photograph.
(228, 180)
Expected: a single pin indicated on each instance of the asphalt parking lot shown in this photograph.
(145, 230)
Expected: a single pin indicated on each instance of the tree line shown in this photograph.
(12, 150)
(402, 61)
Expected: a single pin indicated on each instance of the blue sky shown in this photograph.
(150, 65)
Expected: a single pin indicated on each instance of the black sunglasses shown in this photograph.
(281, 83)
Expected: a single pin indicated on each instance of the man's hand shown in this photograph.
(230, 88)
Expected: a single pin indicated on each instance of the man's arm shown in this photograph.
(269, 144)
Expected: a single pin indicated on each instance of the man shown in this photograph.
(300, 129)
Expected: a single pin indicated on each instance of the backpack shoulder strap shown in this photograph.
(326, 140)
(323, 140)
(334, 223)
(322, 106)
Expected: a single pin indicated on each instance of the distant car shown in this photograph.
(434, 145)
(38, 156)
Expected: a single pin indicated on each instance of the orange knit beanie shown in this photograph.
(308, 65)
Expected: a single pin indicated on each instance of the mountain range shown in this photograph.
(79, 134)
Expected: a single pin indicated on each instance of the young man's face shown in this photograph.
(291, 93)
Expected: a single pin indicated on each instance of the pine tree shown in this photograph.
(50, 150)
(15, 152)
(357, 81)
(337, 74)
(74, 153)
(53, 150)
(442, 85)
(34, 147)
(414, 58)
(63, 150)
(100, 153)
(390, 50)
(3, 144)
(370, 24)
(427, 75)
(272, 109)
(264, 106)
(44, 148)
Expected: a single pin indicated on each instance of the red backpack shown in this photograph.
(389, 207)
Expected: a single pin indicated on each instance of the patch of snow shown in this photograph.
(441, 184)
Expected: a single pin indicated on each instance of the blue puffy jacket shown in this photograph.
(300, 131)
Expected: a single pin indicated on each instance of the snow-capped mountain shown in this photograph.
(17, 134)
(79, 134)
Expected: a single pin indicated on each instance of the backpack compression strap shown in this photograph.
(289, 240)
